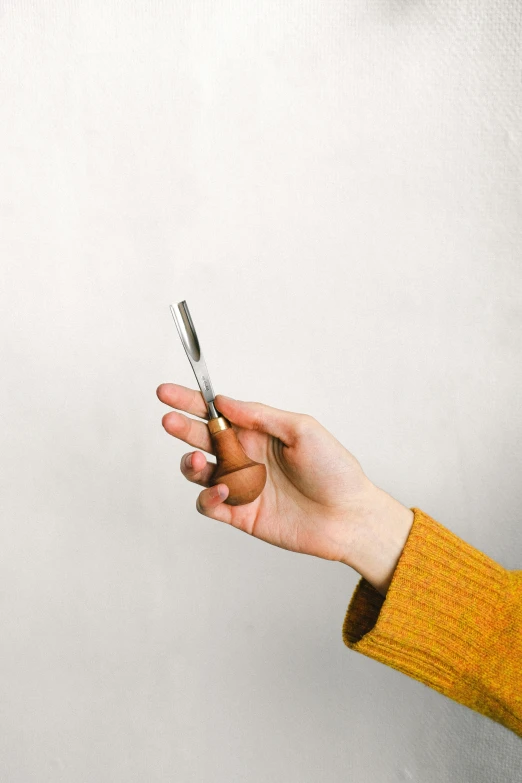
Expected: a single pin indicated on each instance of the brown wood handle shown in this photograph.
(244, 478)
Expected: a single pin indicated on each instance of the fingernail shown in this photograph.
(230, 399)
(219, 492)
(188, 460)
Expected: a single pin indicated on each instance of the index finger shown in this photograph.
(183, 399)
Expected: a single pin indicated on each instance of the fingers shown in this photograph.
(193, 432)
(284, 425)
(182, 398)
(210, 503)
(196, 468)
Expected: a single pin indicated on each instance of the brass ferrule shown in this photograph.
(216, 425)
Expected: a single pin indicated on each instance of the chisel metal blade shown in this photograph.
(189, 338)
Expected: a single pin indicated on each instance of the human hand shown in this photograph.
(317, 499)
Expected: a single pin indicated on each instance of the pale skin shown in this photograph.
(317, 499)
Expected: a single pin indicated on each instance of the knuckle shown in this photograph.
(305, 423)
(258, 420)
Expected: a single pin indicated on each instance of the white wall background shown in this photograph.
(335, 188)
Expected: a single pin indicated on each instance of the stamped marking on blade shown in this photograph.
(206, 383)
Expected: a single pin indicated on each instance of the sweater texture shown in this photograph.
(452, 619)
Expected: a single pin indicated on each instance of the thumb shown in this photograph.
(256, 416)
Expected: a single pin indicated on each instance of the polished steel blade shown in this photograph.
(189, 338)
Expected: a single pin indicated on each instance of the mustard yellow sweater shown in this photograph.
(452, 619)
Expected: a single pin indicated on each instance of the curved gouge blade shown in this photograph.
(189, 338)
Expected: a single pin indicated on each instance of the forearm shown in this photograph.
(452, 619)
(379, 538)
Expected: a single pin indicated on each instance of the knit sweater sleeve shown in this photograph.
(452, 619)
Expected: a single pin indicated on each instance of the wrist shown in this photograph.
(380, 534)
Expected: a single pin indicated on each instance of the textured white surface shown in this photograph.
(335, 188)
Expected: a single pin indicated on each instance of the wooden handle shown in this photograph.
(244, 478)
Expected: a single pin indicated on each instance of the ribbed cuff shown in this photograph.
(439, 615)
